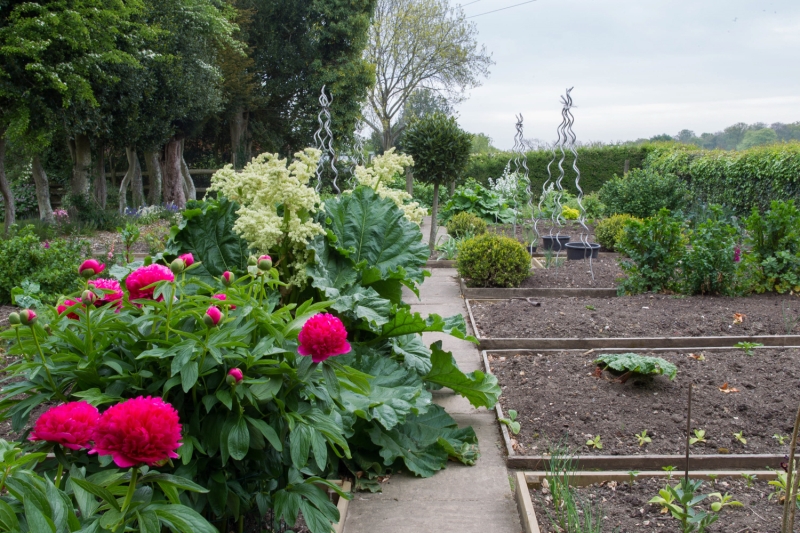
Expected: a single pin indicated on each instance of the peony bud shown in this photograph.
(234, 376)
(90, 267)
(228, 278)
(27, 317)
(188, 259)
(88, 297)
(177, 266)
(13, 319)
(213, 316)
(264, 262)
(252, 261)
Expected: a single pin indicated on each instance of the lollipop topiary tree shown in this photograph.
(441, 152)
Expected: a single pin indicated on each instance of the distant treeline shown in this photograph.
(740, 136)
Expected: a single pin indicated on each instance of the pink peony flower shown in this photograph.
(138, 280)
(107, 285)
(90, 268)
(188, 259)
(213, 316)
(227, 278)
(222, 298)
(264, 262)
(322, 336)
(71, 425)
(61, 308)
(236, 374)
(27, 317)
(138, 431)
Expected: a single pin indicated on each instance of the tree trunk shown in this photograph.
(81, 164)
(154, 174)
(452, 188)
(112, 167)
(130, 176)
(100, 189)
(42, 191)
(173, 177)
(137, 187)
(238, 125)
(191, 191)
(410, 181)
(434, 214)
(5, 189)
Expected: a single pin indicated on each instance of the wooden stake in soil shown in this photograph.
(688, 430)
(787, 523)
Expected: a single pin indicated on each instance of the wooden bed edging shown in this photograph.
(442, 263)
(622, 343)
(625, 463)
(342, 504)
(524, 504)
(555, 292)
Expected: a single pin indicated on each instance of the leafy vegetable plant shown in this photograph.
(511, 422)
(739, 436)
(699, 436)
(681, 501)
(749, 478)
(595, 442)
(632, 364)
(748, 346)
(642, 438)
(723, 501)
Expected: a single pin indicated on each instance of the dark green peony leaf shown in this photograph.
(480, 389)
(207, 233)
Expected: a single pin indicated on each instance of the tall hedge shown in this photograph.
(737, 179)
(597, 165)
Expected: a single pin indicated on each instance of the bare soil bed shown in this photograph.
(577, 274)
(642, 315)
(625, 506)
(563, 397)
(571, 228)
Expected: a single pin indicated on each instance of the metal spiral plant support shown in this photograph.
(358, 159)
(520, 167)
(325, 142)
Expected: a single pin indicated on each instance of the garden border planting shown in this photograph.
(624, 463)
(527, 479)
(618, 343)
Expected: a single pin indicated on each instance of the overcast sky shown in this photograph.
(639, 67)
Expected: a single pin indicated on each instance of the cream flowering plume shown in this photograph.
(263, 186)
(384, 168)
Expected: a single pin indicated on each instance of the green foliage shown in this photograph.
(739, 180)
(708, 266)
(90, 214)
(490, 260)
(609, 231)
(592, 205)
(206, 231)
(570, 213)
(655, 248)
(640, 365)
(480, 201)
(440, 148)
(464, 223)
(597, 165)
(681, 501)
(54, 268)
(569, 512)
(642, 193)
(774, 240)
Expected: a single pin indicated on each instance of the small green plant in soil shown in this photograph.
(669, 470)
(699, 436)
(725, 500)
(27, 295)
(739, 436)
(635, 365)
(570, 514)
(511, 421)
(749, 479)
(713, 479)
(632, 475)
(643, 439)
(789, 322)
(780, 488)
(129, 235)
(748, 346)
(448, 248)
(595, 442)
(591, 307)
(681, 501)
(780, 438)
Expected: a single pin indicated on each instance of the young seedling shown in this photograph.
(665, 499)
(669, 470)
(643, 438)
(724, 501)
(511, 422)
(713, 478)
(748, 346)
(749, 479)
(631, 475)
(591, 307)
(780, 438)
(594, 442)
(740, 437)
(699, 436)
(681, 502)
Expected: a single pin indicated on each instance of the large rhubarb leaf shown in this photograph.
(460, 444)
(423, 460)
(374, 233)
(331, 270)
(361, 303)
(406, 322)
(480, 389)
(415, 354)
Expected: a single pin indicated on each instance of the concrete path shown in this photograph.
(458, 499)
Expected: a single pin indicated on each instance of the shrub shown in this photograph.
(462, 224)
(709, 266)
(569, 213)
(493, 261)
(655, 247)
(592, 205)
(609, 231)
(480, 201)
(774, 241)
(52, 264)
(642, 193)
